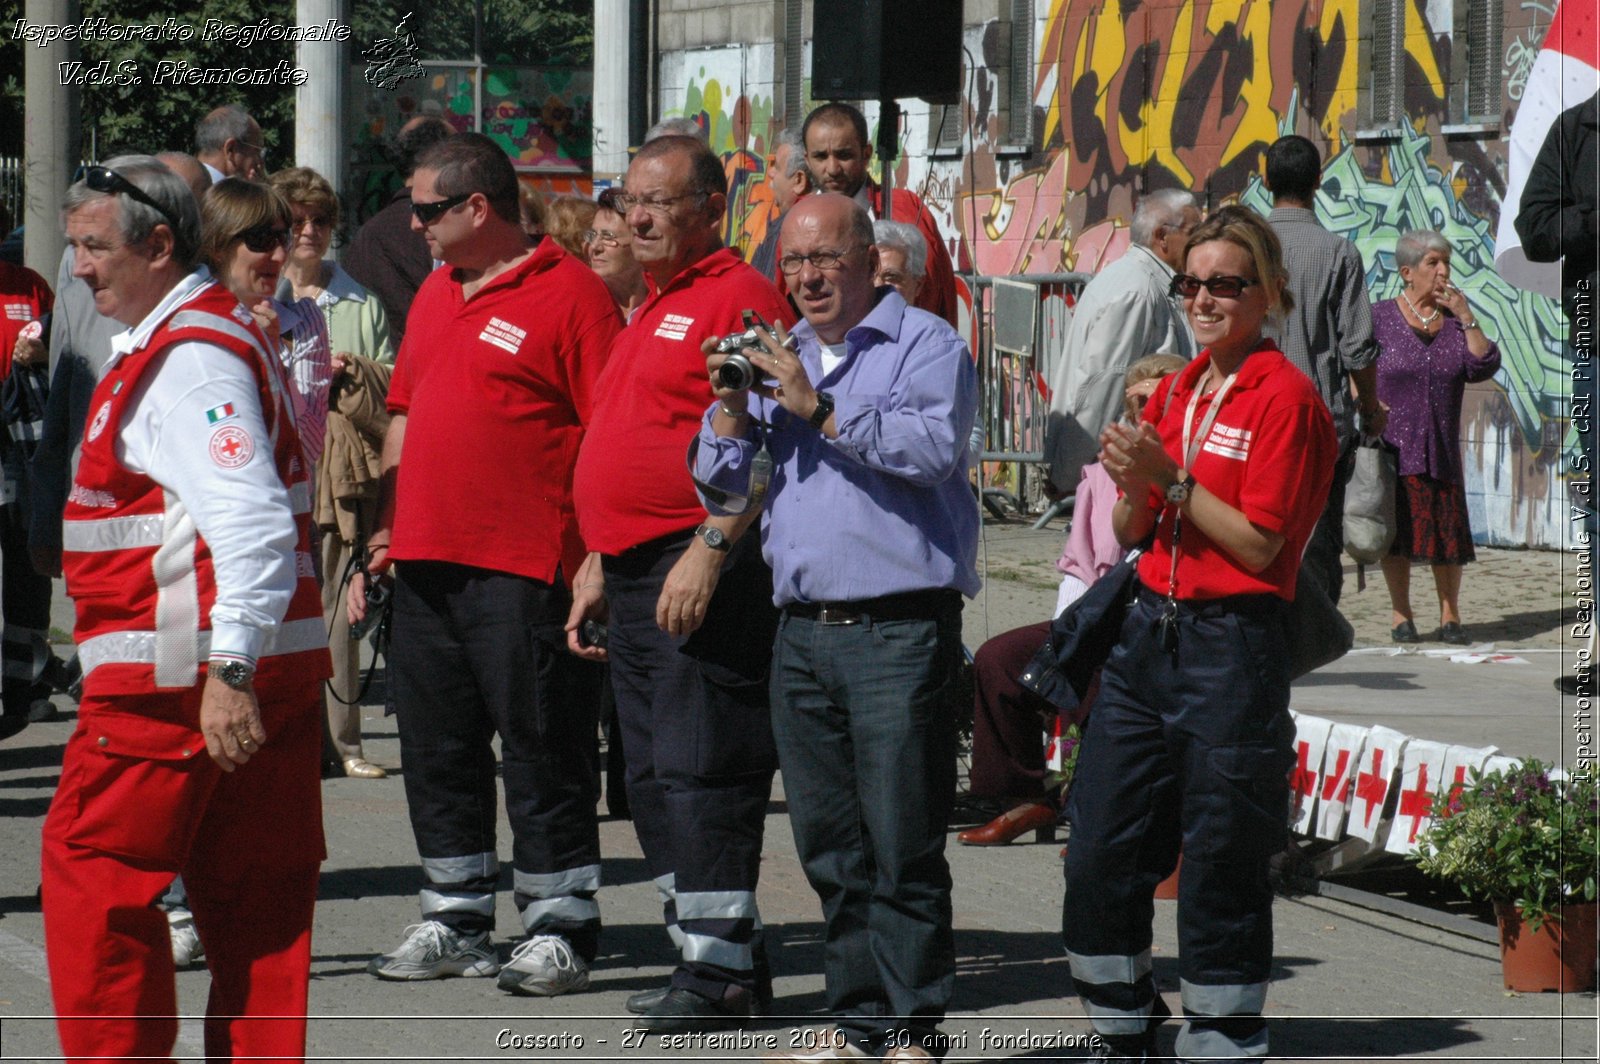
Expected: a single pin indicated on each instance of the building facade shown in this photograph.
(1070, 109)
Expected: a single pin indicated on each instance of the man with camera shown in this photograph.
(690, 616)
(489, 399)
(872, 533)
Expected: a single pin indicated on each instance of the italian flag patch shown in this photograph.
(219, 413)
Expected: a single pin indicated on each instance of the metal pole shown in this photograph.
(888, 149)
(51, 139)
(613, 39)
(320, 104)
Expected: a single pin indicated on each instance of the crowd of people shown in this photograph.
(245, 443)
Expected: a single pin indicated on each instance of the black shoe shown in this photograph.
(1453, 634)
(684, 1012)
(11, 723)
(1405, 632)
(645, 1000)
(43, 711)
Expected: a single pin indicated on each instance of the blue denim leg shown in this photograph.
(866, 740)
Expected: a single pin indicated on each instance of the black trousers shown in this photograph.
(476, 653)
(697, 736)
(25, 602)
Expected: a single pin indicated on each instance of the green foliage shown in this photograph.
(151, 118)
(1519, 837)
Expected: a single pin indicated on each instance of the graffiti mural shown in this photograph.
(1133, 97)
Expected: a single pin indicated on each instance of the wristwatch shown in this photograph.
(236, 674)
(824, 410)
(1179, 490)
(713, 538)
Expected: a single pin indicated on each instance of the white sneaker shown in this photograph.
(187, 949)
(432, 951)
(544, 966)
(826, 1045)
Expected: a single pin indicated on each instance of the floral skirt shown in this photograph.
(1430, 520)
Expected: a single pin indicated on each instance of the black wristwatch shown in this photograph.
(236, 674)
(713, 538)
(824, 410)
(1179, 490)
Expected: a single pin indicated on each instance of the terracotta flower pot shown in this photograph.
(1559, 957)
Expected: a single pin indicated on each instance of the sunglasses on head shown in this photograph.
(1224, 287)
(428, 213)
(104, 179)
(264, 239)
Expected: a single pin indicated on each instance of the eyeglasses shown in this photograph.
(260, 150)
(264, 239)
(604, 236)
(1223, 287)
(104, 179)
(315, 223)
(822, 260)
(622, 203)
(428, 213)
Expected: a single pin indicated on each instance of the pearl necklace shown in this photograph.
(1426, 321)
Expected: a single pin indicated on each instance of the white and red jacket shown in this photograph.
(191, 442)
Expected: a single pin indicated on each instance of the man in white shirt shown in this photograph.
(1125, 313)
(187, 549)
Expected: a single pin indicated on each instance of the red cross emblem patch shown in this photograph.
(231, 447)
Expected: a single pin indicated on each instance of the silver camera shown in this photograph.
(737, 372)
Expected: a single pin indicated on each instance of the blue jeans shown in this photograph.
(864, 722)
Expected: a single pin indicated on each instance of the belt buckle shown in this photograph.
(836, 615)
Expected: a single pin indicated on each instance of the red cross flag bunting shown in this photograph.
(1459, 762)
(1311, 736)
(1341, 758)
(1421, 778)
(1380, 760)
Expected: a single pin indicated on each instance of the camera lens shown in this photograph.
(736, 373)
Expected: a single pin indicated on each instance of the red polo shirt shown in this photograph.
(497, 391)
(24, 297)
(632, 483)
(1270, 454)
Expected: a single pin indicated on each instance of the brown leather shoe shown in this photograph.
(1038, 817)
(362, 769)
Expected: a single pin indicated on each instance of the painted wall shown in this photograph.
(1189, 93)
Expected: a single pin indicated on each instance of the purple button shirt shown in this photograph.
(886, 507)
(1422, 383)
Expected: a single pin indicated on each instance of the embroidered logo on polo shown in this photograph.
(674, 327)
(1228, 442)
(98, 425)
(19, 311)
(231, 447)
(503, 335)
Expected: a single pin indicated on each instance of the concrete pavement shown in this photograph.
(1350, 983)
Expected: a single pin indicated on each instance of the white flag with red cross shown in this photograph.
(1459, 764)
(1380, 762)
(1311, 735)
(1341, 759)
(1421, 778)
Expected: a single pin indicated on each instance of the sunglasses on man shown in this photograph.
(106, 180)
(428, 213)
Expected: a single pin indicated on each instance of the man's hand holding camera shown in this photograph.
(785, 383)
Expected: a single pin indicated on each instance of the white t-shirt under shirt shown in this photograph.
(832, 355)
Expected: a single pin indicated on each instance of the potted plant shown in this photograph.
(1528, 843)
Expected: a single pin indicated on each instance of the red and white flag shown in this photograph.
(1565, 74)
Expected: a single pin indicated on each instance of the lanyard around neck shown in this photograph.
(1191, 444)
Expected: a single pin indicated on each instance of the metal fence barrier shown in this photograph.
(1019, 328)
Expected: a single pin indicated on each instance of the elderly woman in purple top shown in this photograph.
(1432, 345)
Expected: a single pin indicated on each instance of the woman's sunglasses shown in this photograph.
(264, 239)
(1222, 287)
